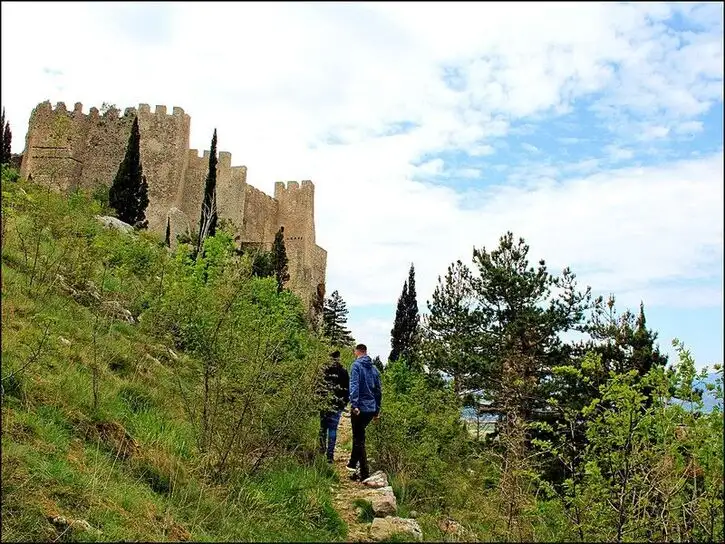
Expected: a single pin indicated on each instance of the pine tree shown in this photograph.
(5, 140)
(279, 260)
(208, 219)
(378, 363)
(334, 321)
(404, 335)
(450, 341)
(129, 193)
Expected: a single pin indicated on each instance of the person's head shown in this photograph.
(335, 356)
(360, 350)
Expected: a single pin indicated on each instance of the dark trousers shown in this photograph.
(328, 432)
(359, 423)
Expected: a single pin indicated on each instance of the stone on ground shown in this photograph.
(384, 502)
(384, 528)
(114, 223)
(377, 479)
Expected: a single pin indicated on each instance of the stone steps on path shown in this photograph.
(375, 489)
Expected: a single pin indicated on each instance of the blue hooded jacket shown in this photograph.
(365, 388)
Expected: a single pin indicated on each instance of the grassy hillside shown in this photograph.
(103, 403)
(148, 395)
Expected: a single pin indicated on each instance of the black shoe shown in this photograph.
(363, 478)
(354, 477)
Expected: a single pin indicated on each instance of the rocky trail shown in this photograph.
(375, 490)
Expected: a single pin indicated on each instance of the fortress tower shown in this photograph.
(70, 149)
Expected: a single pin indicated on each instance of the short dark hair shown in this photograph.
(335, 354)
(361, 347)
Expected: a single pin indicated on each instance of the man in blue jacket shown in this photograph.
(365, 399)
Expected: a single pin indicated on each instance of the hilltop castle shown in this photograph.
(70, 149)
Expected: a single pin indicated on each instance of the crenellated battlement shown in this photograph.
(225, 159)
(71, 148)
(282, 189)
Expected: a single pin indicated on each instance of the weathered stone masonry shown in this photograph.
(69, 149)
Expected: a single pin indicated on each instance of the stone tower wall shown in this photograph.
(260, 222)
(297, 215)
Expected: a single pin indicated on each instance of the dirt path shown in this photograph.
(347, 491)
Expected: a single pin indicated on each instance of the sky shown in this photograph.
(594, 131)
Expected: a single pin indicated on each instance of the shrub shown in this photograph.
(419, 438)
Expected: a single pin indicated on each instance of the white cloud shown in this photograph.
(689, 127)
(280, 81)
(481, 150)
(617, 153)
(586, 165)
(653, 132)
(468, 173)
(530, 148)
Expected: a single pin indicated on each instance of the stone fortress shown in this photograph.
(70, 149)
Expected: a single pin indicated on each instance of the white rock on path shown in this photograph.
(384, 528)
(376, 480)
(384, 502)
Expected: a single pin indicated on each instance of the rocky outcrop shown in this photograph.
(114, 223)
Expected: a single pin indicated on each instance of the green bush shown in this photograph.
(419, 438)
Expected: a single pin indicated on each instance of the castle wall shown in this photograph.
(104, 146)
(259, 224)
(55, 145)
(231, 191)
(71, 149)
(189, 199)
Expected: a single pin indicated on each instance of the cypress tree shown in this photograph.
(396, 335)
(334, 321)
(5, 140)
(404, 335)
(279, 260)
(378, 364)
(208, 220)
(129, 193)
(167, 240)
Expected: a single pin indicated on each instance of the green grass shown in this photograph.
(55, 461)
(366, 514)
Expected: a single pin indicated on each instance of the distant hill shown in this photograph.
(708, 397)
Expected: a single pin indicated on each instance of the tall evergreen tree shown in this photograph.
(508, 320)
(5, 140)
(449, 335)
(208, 219)
(129, 193)
(404, 335)
(378, 363)
(279, 260)
(334, 321)
(167, 239)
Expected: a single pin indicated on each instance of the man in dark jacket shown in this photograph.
(365, 400)
(335, 392)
